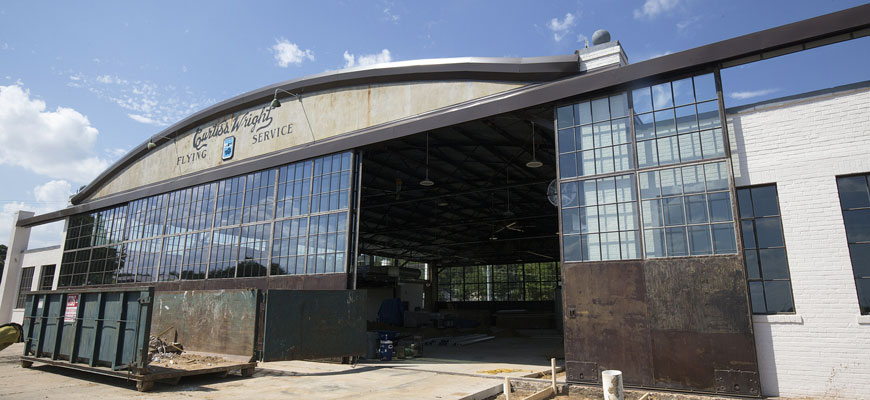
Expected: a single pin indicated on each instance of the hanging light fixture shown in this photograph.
(533, 163)
(427, 181)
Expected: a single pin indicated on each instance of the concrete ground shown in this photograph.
(446, 373)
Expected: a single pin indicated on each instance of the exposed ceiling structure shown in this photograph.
(486, 205)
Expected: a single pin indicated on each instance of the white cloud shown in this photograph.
(751, 93)
(5, 46)
(653, 8)
(561, 28)
(363, 60)
(143, 119)
(116, 153)
(108, 79)
(58, 144)
(389, 15)
(287, 53)
(683, 25)
(50, 196)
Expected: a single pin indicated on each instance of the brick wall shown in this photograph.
(801, 145)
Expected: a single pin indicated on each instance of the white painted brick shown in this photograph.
(802, 146)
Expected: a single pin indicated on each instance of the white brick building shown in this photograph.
(802, 144)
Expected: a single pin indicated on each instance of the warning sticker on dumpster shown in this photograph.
(72, 308)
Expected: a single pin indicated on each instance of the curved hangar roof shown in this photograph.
(475, 88)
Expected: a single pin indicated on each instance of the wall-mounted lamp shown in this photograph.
(275, 104)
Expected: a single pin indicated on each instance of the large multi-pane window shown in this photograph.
(24, 285)
(677, 122)
(223, 229)
(687, 211)
(509, 282)
(599, 219)
(855, 202)
(595, 137)
(46, 279)
(669, 202)
(764, 250)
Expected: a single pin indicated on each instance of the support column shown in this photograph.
(18, 239)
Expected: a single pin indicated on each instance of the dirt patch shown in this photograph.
(500, 371)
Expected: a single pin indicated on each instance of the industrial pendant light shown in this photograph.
(534, 163)
(427, 181)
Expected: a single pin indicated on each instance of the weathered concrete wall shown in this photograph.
(802, 145)
(259, 130)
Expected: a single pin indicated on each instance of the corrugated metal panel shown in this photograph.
(107, 328)
(311, 324)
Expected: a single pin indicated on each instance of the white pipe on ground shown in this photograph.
(507, 388)
(553, 374)
(611, 381)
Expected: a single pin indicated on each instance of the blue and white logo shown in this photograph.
(229, 145)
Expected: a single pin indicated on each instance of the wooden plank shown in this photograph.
(543, 394)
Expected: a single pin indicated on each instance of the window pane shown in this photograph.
(625, 188)
(604, 158)
(723, 239)
(673, 211)
(619, 105)
(588, 220)
(590, 247)
(748, 234)
(672, 181)
(568, 192)
(582, 113)
(654, 241)
(720, 206)
(712, 143)
(778, 296)
(857, 225)
(686, 119)
(683, 91)
(744, 203)
(588, 194)
(708, 115)
(586, 163)
(610, 246)
(642, 100)
(630, 244)
(566, 140)
(699, 240)
(860, 259)
(567, 166)
(571, 247)
(607, 218)
(676, 239)
(717, 176)
(690, 147)
(696, 209)
(652, 213)
(705, 87)
(853, 192)
(649, 185)
(606, 190)
(756, 295)
(769, 232)
(773, 263)
(752, 270)
(600, 110)
(764, 201)
(665, 123)
(627, 216)
(662, 97)
(693, 179)
(620, 131)
(863, 286)
(585, 137)
(565, 116)
(622, 159)
(644, 128)
(647, 154)
(570, 221)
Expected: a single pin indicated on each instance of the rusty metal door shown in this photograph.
(311, 324)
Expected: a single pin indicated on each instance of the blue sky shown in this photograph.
(82, 83)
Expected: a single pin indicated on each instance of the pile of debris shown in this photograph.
(160, 349)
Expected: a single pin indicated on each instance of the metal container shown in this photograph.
(90, 327)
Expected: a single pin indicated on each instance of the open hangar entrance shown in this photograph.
(458, 236)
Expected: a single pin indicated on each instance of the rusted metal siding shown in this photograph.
(213, 321)
(295, 282)
(681, 323)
